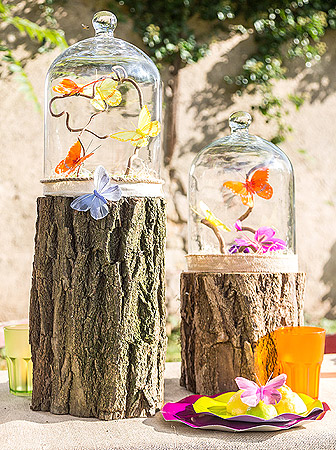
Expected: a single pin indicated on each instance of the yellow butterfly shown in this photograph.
(146, 128)
(210, 217)
(106, 92)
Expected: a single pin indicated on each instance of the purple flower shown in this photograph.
(263, 241)
(235, 249)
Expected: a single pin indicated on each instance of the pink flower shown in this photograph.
(238, 225)
(263, 241)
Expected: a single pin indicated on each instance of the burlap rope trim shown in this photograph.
(243, 263)
(120, 179)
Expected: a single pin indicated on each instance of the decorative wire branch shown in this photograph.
(252, 230)
(67, 115)
(118, 78)
(81, 130)
(129, 80)
(217, 233)
(122, 69)
(246, 214)
(243, 247)
(137, 148)
(131, 159)
(135, 84)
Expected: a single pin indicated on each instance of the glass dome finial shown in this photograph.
(240, 120)
(104, 22)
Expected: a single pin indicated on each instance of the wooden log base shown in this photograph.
(226, 326)
(97, 309)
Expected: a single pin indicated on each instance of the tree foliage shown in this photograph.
(46, 36)
(282, 30)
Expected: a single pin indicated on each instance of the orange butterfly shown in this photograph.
(257, 185)
(68, 87)
(73, 160)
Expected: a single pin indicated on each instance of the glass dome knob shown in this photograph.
(240, 120)
(104, 22)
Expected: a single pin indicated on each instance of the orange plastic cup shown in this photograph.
(300, 354)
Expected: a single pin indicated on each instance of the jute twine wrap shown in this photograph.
(130, 186)
(243, 263)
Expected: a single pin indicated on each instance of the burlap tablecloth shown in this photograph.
(23, 429)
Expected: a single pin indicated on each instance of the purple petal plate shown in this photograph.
(183, 411)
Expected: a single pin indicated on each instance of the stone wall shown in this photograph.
(205, 102)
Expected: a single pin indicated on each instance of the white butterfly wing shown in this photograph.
(101, 179)
(98, 208)
(83, 203)
(112, 193)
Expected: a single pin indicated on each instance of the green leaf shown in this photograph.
(35, 32)
(25, 85)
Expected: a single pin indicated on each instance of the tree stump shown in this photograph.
(97, 309)
(226, 326)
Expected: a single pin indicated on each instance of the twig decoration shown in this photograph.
(131, 159)
(246, 214)
(121, 76)
(217, 233)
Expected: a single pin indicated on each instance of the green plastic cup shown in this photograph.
(18, 357)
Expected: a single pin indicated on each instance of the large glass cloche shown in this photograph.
(241, 204)
(102, 107)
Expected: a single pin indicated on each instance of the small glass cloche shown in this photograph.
(102, 107)
(241, 200)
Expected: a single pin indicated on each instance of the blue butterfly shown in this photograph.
(97, 202)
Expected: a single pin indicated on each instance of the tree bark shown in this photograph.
(97, 309)
(226, 326)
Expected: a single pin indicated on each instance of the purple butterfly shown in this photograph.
(253, 393)
(97, 202)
